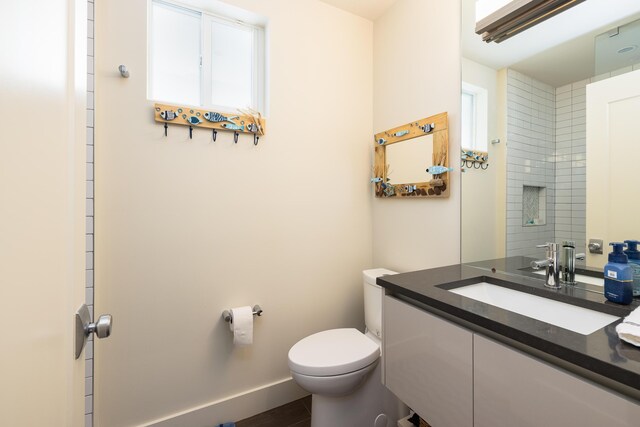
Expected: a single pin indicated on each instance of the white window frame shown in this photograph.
(480, 116)
(207, 18)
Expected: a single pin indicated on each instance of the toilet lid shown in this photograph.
(333, 352)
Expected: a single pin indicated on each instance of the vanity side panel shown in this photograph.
(428, 364)
(514, 389)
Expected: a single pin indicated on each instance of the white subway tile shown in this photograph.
(88, 386)
(88, 404)
(89, 189)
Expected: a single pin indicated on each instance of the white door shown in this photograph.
(613, 196)
(42, 172)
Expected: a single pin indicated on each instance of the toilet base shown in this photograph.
(359, 409)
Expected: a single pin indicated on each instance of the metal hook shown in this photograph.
(235, 137)
(468, 164)
(256, 138)
(123, 71)
(485, 166)
(166, 126)
(214, 135)
(476, 165)
(190, 132)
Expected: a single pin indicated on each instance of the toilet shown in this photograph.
(341, 368)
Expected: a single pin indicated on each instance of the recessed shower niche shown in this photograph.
(534, 205)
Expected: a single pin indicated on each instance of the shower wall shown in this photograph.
(531, 175)
(546, 162)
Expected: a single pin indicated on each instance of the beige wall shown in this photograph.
(417, 74)
(187, 228)
(483, 210)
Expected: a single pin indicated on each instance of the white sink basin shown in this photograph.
(598, 281)
(567, 316)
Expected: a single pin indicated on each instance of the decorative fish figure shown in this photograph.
(217, 117)
(382, 141)
(193, 120)
(252, 127)
(376, 180)
(401, 133)
(168, 115)
(437, 170)
(389, 191)
(428, 127)
(232, 126)
(409, 188)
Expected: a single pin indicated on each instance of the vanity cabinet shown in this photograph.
(454, 377)
(511, 388)
(428, 364)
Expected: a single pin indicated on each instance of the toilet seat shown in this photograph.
(333, 352)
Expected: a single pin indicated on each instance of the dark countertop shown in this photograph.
(601, 352)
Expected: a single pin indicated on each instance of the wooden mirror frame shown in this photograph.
(438, 186)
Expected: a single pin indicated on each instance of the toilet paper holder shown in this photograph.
(226, 315)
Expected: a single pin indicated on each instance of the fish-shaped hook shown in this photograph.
(193, 120)
(437, 170)
(232, 126)
(401, 133)
(168, 115)
(376, 180)
(217, 117)
(381, 141)
(409, 188)
(428, 127)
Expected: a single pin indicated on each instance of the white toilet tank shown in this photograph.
(373, 300)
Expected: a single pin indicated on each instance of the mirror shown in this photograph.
(412, 160)
(554, 173)
(407, 162)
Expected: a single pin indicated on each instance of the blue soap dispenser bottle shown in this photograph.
(634, 262)
(618, 276)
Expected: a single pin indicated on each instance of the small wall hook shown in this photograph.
(214, 135)
(123, 71)
(235, 137)
(190, 132)
(256, 138)
(166, 126)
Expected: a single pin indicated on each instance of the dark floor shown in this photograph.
(294, 414)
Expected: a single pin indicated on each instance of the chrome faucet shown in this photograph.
(552, 278)
(568, 259)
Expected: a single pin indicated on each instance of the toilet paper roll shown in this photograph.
(242, 325)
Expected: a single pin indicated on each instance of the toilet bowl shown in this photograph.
(341, 368)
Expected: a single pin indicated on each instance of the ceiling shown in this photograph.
(369, 9)
(557, 51)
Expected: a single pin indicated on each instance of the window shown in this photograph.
(474, 117)
(200, 59)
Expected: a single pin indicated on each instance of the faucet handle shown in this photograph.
(537, 265)
(552, 246)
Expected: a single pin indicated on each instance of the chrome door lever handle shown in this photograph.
(85, 327)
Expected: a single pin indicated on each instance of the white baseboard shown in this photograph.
(236, 407)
